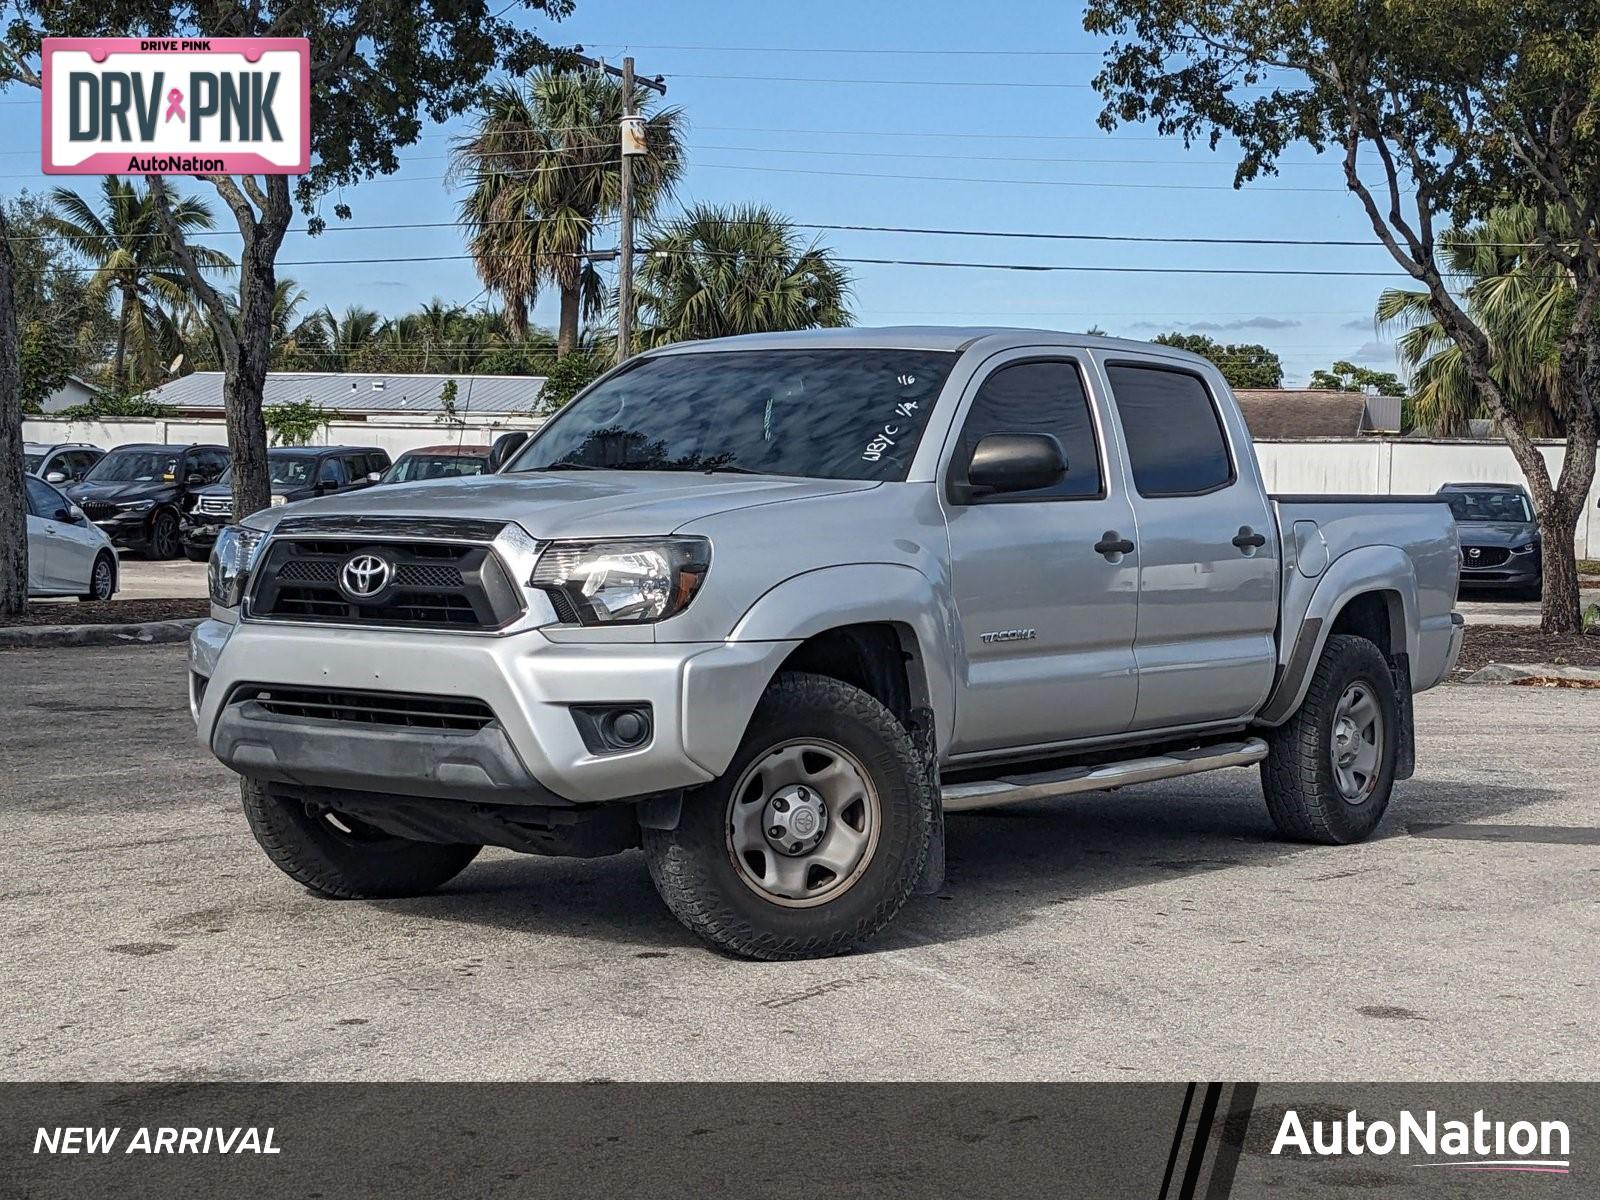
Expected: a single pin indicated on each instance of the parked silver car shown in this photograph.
(68, 555)
(59, 462)
(769, 606)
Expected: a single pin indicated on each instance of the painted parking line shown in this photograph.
(1555, 835)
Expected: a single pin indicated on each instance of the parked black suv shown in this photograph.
(1500, 546)
(297, 473)
(138, 493)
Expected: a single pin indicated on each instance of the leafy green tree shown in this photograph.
(544, 169)
(1348, 377)
(1243, 366)
(296, 422)
(568, 376)
(52, 288)
(1438, 111)
(46, 361)
(379, 69)
(127, 251)
(717, 271)
(1520, 300)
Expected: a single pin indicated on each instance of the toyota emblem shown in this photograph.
(363, 576)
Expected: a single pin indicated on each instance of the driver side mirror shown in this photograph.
(195, 479)
(374, 476)
(504, 447)
(55, 477)
(1010, 462)
(70, 515)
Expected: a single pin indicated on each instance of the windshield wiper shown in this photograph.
(569, 466)
(729, 469)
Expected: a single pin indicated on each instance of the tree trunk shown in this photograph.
(244, 380)
(120, 357)
(13, 508)
(567, 332)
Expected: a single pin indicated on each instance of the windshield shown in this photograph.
(415, 467)
(30, 463)
(136, 466)
(284, 471)
(1489, 506)
(827, 414)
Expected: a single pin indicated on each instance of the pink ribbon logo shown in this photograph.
(175, 105)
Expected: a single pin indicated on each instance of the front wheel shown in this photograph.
(340, 857)
(164, 542)
(1330, 767)
(197, 553)
(812, 839)
(102, 579)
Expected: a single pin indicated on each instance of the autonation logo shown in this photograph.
(1480, 1144)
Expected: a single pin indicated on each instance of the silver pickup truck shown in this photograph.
(769, 607)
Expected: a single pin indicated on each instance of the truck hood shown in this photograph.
(575, 504)
(1495, 533)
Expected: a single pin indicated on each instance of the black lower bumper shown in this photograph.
(446, 764)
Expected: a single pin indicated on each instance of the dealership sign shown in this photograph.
(177, 106)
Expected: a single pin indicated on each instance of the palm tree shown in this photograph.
(543, 167)
(1521, 301)
(718, 271)
(130, 256)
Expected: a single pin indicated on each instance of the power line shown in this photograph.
(863, 50)
(1077, 183)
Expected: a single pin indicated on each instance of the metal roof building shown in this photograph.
(359, 396)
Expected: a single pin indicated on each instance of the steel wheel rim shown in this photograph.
(837, 789)
(1356, 742)
(100, 585)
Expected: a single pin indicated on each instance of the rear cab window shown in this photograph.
(1172, 429)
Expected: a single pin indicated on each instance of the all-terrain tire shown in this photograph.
(363, 864)
(693, 867)
(1298, 774)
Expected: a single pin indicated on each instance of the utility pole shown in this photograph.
(633, 146)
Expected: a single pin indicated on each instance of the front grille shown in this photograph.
(214, 506)
(98, 510)
(398, 709)
(1484, 556)
(435, 585)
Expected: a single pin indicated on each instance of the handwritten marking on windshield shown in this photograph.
(885, 439)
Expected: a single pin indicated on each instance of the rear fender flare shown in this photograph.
(1384, 569)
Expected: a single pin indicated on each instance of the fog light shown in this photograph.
(613, 728)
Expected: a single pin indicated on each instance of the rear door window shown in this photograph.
(1173, 431)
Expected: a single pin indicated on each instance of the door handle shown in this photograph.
(1113, 543)
(1249, 539)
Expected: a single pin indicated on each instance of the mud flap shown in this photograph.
(1405, 755)
(932, 877)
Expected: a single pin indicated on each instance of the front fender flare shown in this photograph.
(813, 602)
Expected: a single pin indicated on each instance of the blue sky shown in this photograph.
(774, 119)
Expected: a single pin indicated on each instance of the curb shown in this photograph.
(148, 633)
(1512, 672)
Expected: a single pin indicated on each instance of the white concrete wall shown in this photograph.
(1364, 466)
(1386, 466)
(394, 436)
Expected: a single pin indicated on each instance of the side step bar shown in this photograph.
(1012, 789)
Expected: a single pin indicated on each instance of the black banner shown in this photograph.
(800, 1140)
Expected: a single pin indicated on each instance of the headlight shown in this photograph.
(232, 559)
(1526, 547)
(137, 506)
(277, 500)
(622, 582)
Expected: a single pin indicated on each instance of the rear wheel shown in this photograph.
(343, 858)
(1330, 767)
(197, 553)
(164, 543)
(102, 579)
(813, 838)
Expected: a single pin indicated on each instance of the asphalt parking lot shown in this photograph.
(1106, 936)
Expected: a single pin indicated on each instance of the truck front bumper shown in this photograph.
(531, 749)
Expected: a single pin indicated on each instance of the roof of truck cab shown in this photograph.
(926, 337)
(450, 449)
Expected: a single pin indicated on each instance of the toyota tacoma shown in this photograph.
(768, 607)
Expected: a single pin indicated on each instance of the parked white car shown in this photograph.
(68, 555)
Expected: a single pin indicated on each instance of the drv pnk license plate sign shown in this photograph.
(177, 106)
